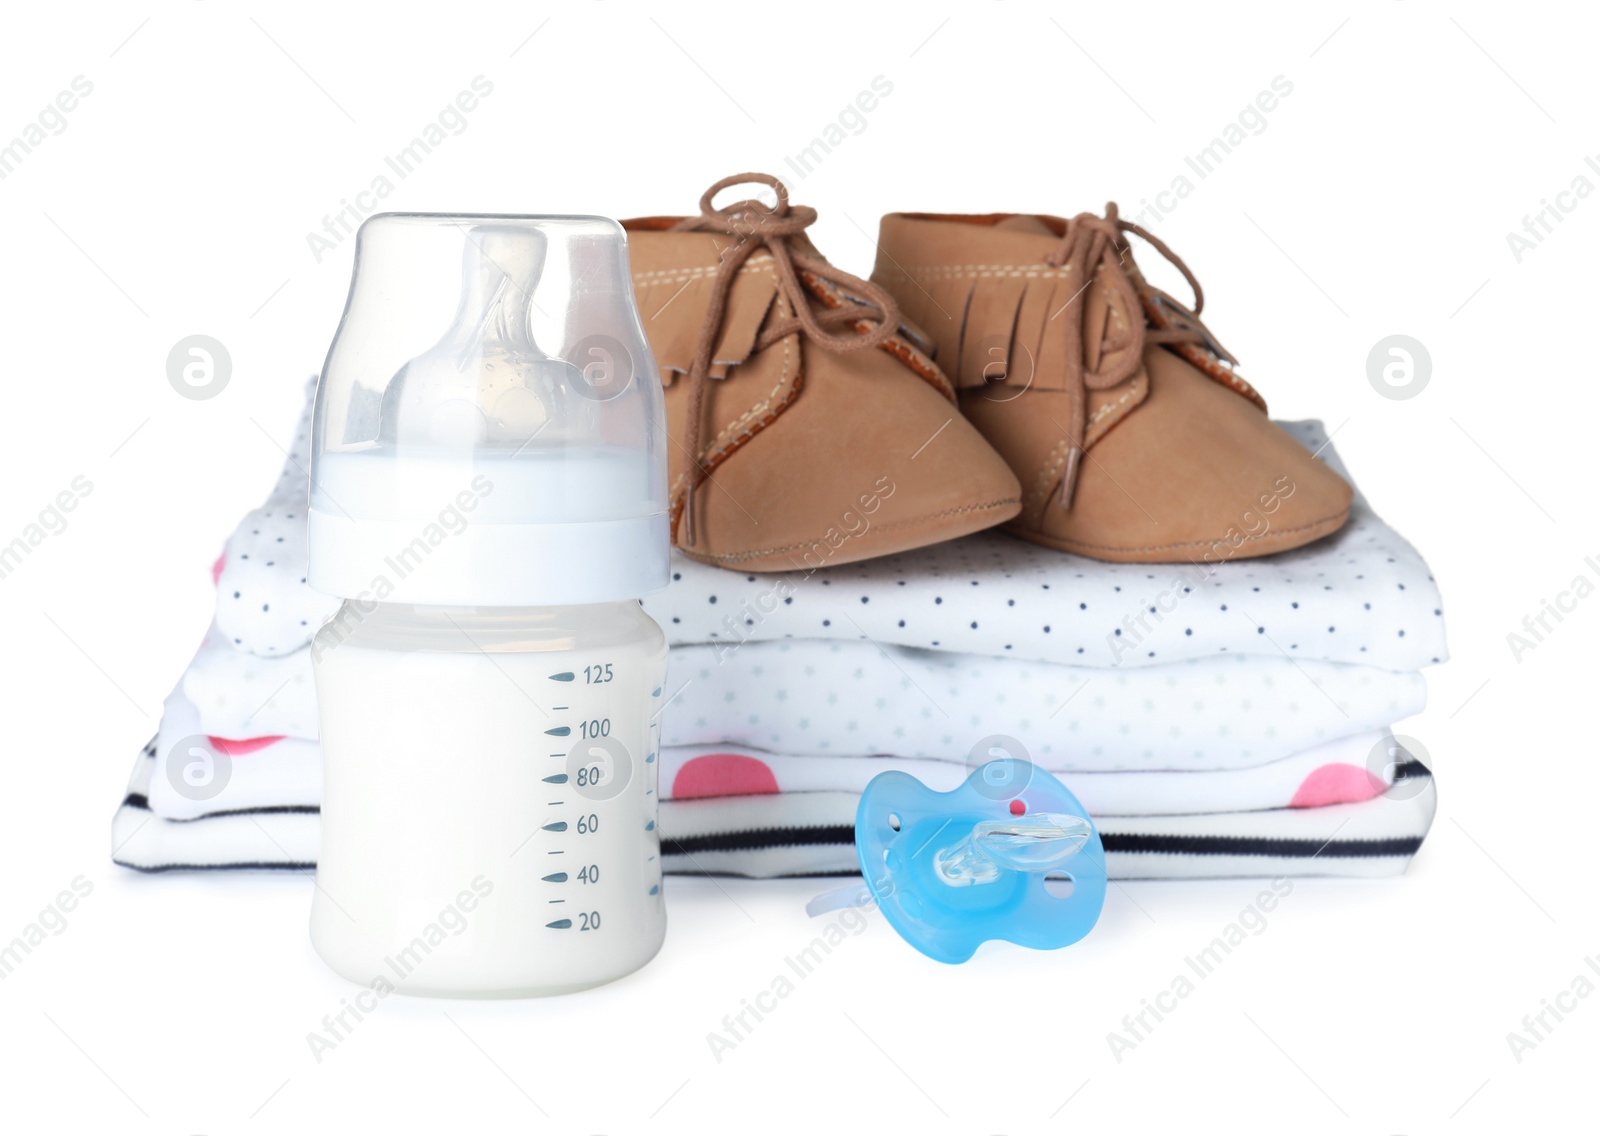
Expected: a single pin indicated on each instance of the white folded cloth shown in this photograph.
(816, 696)
(198, 773)
(1362, 595)
(264, 605)
(1223, 718)
(790, 834)
(239, 695)
(1349, 770)
(813, 834)
(822, 696)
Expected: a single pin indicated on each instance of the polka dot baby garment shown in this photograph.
(1362, 595)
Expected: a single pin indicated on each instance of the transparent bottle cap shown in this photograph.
(486, 428)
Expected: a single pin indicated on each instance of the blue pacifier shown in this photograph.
(1010, 854)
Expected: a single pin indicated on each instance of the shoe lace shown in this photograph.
(1096, 248)
(756, 226)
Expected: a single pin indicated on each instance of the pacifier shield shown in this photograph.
(944, 867)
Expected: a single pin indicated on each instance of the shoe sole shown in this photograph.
(1195, 551)
(882, 540)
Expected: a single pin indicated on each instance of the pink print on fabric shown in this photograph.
(723, 775)
(1338, 783)
(235, 747)
(216, 569)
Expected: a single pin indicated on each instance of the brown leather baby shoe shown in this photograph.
(1123, 417)
(808, 426)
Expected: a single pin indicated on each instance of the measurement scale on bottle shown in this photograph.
(589, 803)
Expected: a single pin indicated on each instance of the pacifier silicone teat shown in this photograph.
(1010, 854)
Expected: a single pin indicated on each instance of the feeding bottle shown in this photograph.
(489, 499)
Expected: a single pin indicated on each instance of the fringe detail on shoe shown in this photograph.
(989, 323)
(993, 323)
(672, 303)
(988, 354)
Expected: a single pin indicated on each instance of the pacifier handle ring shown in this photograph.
(856, 894)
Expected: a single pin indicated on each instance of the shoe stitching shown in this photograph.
(1339, 517)
(977, 271)
(733, 447)
(734, 435)
(1051, 474)
(1111, 407)
(1048, 477)
(760, 408)
(688, 275)
(756, 263)
(928, 372)
(750, 554)
(728, 434)
(896, 345)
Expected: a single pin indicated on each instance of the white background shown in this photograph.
(1377, 201)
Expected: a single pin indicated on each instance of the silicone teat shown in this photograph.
(486, 382)
(1010, 855)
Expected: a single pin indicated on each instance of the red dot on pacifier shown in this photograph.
(1018, 808)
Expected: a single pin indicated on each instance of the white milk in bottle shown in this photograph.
(488, 496)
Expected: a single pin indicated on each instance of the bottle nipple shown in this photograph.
(483, 433)
(486, 382)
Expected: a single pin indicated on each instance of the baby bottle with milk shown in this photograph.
(489, 499)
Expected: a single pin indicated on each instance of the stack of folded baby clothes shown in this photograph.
(1218, 719)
